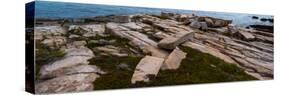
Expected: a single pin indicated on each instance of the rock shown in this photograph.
(73, 70)
(173, 61)
(245, 35)
(160, 35)
(112, 50)
(265, 28)
(124, 66)
(195, 24)
(215, 22)
(255, 17)
(50, 30)
(204, 26)
(55, 41)
(156, 52)
(71, 83)
(209, 50)
(72, 57)
(82, 51)
(73, 36)
(76, 44)
(89, 34)
(132, 26)
(149, 65)
(173, 41)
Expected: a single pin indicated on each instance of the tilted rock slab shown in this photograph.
(71, 83)
(173, 41)
(174, 60)
(149, 65)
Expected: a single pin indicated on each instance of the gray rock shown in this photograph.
(195, 24)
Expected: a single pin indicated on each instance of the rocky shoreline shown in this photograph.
(68, 50)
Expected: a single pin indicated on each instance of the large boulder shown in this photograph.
(174, 60)
(215, 22)
(148, 66)
(199, 25)
(172, 41)
(71, 83)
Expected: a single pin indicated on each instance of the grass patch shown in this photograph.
(115, 78)
(196, 68)
(120, 42)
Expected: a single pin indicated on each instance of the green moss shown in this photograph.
(45, 55)
(115, 77)
(196, 68)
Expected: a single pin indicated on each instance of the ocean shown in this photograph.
(62, 10)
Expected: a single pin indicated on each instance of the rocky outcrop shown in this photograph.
(156, 38)
(148, 66)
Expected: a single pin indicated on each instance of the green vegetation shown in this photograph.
(196, 68)
(45, 55)
(115, 77)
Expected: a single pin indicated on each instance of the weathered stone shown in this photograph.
(245, 35)
(74, 70)
(160, 35)
(55, 41)
(173, 41)
(111, 50)
(76, 44)
(147, 66)
(124, 66)
(50, 30)
(71, 83)
(72, 57)
(195, 24)
(132, 26)
(173, 61)
(73, 36)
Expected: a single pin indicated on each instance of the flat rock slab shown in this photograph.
(71, 83)
(172, 42)
(74, 70)
(149, 65)
(73, 56)
(174, 60)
